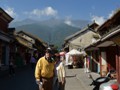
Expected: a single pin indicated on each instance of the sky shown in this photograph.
(98, 10)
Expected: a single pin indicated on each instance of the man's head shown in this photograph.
(48, 53)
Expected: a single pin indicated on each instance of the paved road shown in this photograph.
(24, 80)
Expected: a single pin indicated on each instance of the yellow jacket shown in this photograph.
(44, 69)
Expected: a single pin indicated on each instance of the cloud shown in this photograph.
(98, 19)
(48, 11)
(11, 12)
(68, 21)
(111, 14)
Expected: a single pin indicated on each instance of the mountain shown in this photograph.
(22, 22)
(52, 31)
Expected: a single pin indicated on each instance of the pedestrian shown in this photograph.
(33, 61)
(86, 64)
(11, 67)
(59, 76)
(44, 71)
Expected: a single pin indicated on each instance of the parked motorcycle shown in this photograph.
(97, 82)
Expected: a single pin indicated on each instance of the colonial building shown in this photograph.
(82, 38)
(33, 41)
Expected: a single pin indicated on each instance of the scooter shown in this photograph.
(97, 82)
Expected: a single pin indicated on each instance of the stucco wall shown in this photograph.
(83, 40)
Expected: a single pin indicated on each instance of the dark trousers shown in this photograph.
(58, 85)
(61, 87)
(47, 83)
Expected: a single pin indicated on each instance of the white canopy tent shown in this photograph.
(71, 53)
(75, 52)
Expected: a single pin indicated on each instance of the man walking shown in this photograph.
(44, 71)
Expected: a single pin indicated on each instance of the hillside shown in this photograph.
(51, 31)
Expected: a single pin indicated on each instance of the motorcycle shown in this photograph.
(100, 80)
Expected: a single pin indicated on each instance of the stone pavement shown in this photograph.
(79, 79)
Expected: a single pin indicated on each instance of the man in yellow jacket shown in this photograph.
(44, 71)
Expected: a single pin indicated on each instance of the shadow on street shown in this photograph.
(23, 80)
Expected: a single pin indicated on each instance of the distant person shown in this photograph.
(11, 67)
(33, 62)
(44, 71)
(59, 76)
(36, 55)
(86, 64)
